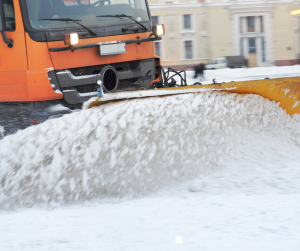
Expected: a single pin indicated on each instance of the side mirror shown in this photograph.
(9, 42)
(2, 23)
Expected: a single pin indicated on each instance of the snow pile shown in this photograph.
(196, 185)
(130, 148)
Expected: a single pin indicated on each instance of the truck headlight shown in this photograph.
(158, 30)
(71, 39)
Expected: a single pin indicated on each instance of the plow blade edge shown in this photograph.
(286, 91)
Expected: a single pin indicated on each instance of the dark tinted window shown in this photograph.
(9, 15)
(86, 11)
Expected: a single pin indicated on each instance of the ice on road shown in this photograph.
(219, 170)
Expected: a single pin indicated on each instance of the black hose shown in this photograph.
(164, 78)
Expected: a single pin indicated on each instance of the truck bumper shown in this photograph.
(80, 84)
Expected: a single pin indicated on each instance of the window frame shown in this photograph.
(51, 35)
(183, 22)
(2, 23)
(255, 45)
(250, 28)
(185, 51)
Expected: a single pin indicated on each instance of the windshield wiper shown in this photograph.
(72, 20)
(123, 15)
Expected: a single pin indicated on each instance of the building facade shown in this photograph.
(263, 31)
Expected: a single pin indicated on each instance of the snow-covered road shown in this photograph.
(243, 74)
(219, 170)
(204, 221)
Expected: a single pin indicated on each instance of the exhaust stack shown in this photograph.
(109, 77)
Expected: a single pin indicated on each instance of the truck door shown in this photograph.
(13, 61)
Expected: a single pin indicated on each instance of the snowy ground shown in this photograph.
(219, 170)
(242, 74)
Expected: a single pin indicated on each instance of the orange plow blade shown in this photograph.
(286, 91)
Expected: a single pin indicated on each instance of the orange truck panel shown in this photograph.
(13, 64)
(39, 63)
(88, 57)
(13, 86)
(38, 55)
(39, 87)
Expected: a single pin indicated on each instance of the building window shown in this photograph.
(187, 22)
(154, 20)
(9, 15)
(250, 24)
(157, 49)
(188, 49)
(252, 45)
(263, 55)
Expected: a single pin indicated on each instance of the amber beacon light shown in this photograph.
(71, 39)
(158, 30)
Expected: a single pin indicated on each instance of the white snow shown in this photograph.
(147, 93)
(57, 107)
(88, 94)
(219, 170)
(48, 69)
(58, 91)
(295, 105)
(196, 185)
(2, 130)
(243, 74)
(286, 91)
(173, 138)
(296, 116)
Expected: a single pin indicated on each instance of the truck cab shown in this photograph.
(60, 49)
(36, 63)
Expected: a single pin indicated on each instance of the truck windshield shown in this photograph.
(85, 11)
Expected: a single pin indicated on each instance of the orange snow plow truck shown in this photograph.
(56, 54)
(53, 52)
